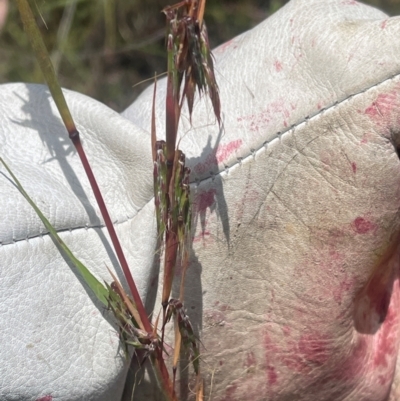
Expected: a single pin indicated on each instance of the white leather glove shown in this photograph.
(292, 284)
(55, 340)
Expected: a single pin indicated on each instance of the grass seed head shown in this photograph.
(193, 60)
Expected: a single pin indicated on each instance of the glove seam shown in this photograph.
(278, 135)
(239, 160)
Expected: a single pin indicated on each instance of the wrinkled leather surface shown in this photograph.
(295, 267)
(55, 341)
(293, 282)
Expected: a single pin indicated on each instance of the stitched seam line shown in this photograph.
(239, 160)
(293, 127)
(64, 230)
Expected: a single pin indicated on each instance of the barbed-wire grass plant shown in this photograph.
(190, 66)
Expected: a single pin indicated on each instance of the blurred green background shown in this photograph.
(104, 47)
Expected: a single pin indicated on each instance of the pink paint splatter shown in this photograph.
(205, 200)
(381, 109)
(345, 286)
(314, 349)
(354, 167)
(385, 379)
(386, 347)
(275, 110)
(270, 347)
(386, 342)
(310, 351)
(45, 398)
(224, 307)
(203, 236)
(383, 24)
(225, 46)
(363, 226)
(219, 155)
(272, 376)
(224, 151)
(278, 66)
(366, 138)
(329, 259)
(378, 320)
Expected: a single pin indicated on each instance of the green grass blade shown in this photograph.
(95, 285)
(44, 61)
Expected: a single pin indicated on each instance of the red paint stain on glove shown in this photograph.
(363, 226)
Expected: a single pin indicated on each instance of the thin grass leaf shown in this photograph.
(44, 61)
(127, 301)
(130, 334)
(160, 173)
(199, 389)
(171, 102)
(153, 122)
(95, 285)
(172, 243)
(189, 340)
(177, 350)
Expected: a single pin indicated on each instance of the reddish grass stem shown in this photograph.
(75, 138)
(56, 92)
(164, 376)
